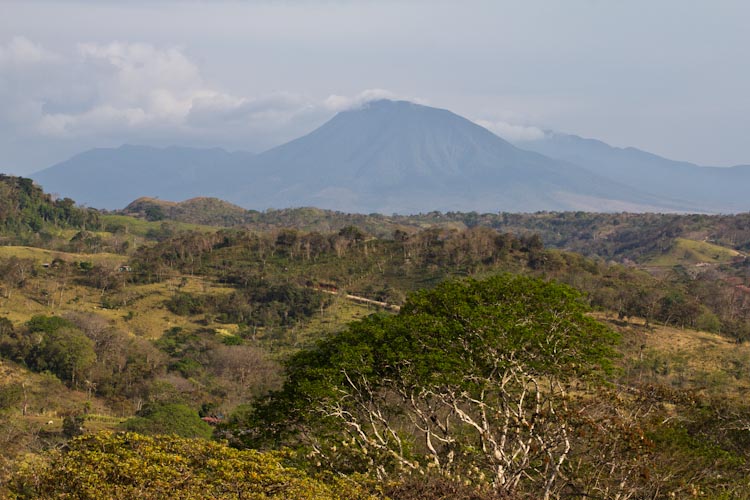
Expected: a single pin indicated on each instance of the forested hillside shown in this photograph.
(28, 214)
(612, 236)
(437, 356)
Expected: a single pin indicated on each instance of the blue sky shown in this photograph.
(670, 76)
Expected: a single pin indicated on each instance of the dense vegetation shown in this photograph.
(29, 215)
(492, 381)
(274, 268)
(616, 236)
(469, 380)
(126, 466)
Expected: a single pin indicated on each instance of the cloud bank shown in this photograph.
(512, 133)
(102, 94)
(138, 87)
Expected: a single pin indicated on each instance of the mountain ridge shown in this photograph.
(714, 189)
(398, 156)
(389, 157)
(113, 177)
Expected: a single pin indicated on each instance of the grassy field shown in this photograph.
(329, 320)
(144, 312)
(138, 309)
(41, 256)
(692, 252)
(140, 227)
(704, 362)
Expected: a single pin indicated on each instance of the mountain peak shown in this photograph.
(392, 104)
(400, 156)
(382, 103)
(403, 107)
(386, 156)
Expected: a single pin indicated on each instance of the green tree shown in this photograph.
(47, 324)
(470, 380)
(169, 419)
(155, 213)
(66, 352)
(54, 344)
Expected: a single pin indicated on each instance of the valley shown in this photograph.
(211, 315)
(362, 250)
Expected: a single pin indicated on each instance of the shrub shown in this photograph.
(125, 466)
(175, 419)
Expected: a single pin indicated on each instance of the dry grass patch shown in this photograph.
(141, 308)
(138, 309)
(692, 252)
(682, 358)
(42, 255)
(330, 320)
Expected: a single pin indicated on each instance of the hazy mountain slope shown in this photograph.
(111, 178)
(706, 188)
(396, 156)
(388, 156)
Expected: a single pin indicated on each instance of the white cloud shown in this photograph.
(99, 88)
(94, 94)
(132, 89)
(131, 86)
(22, 51)
(268, 112)
(25, 72)
(511, 132)
(100, 119)
(343, 103)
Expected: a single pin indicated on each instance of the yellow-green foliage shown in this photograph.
(141, 227)
(685, 251)
(41, 255)
(126, 466)
(138, 308)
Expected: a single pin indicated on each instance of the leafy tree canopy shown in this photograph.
(47, 324)
(49, 343)
(25, 209)
(463, 379)
(169, 419)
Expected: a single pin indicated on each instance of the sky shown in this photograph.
(671, 76)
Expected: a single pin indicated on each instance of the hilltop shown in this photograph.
(711, 189)
(201, 210)
(397, 156)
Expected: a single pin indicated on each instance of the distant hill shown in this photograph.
(215, 212)
(112, 178)
(208, 211)
(697, 253)
(400, 157)
(397, 156)
(711, 189)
